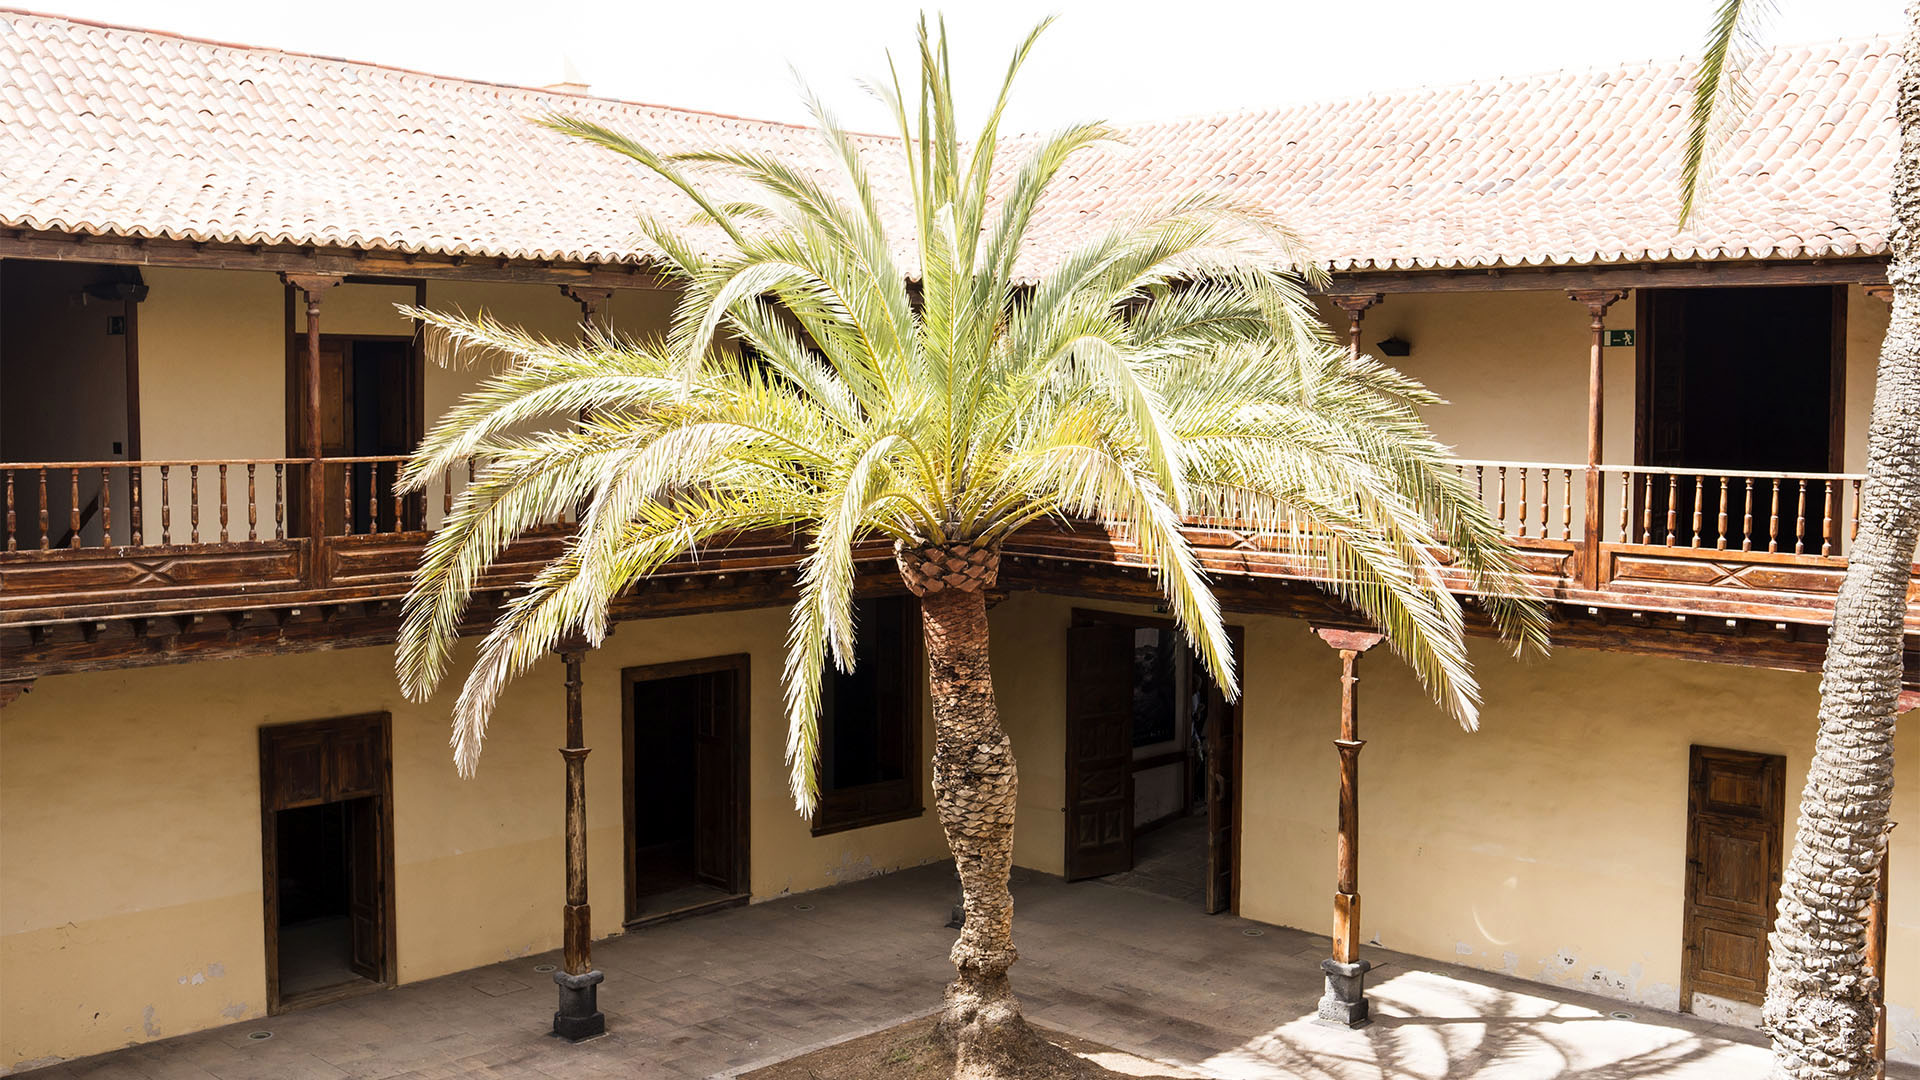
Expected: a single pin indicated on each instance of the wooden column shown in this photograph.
(313, 286)
(578, 1016)
(1355, 305)
(1597, 302)
(1345, 1000)
(1877, 957)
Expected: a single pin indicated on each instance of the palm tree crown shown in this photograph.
(1166, 368)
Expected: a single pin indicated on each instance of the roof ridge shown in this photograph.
(6, 11)
(1889, 41)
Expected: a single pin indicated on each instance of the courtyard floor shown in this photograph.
(1214, 996)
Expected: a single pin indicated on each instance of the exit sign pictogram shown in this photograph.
(1619, 338)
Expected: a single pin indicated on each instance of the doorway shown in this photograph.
(685, 765)
(1152, 762)
(1752, 379)
(371, 405)
(1736, 807)
(327, 854)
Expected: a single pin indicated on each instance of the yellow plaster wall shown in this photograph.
(1866, 328)
(1513, 367)
(213, 359)
(1550, 844)
(130, 905)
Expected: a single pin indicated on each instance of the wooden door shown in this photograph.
(1735, 822)
(365, 889)
(1223, 800)
(344, 760)
(714, 797)
(1099, 750)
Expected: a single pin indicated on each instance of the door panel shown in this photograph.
(1222, 743)
(298, 769)
(365, 889)
(356, 762)
(713, 783)
(1099, 750)
(1735, 810)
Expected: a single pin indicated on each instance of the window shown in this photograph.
(870, 722)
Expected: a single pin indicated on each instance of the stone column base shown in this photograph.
(579, 1016)
(1345, 1002)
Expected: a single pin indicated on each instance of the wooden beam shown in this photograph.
(636, 273)
(1857, 271)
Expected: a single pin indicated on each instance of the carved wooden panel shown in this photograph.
(1735, 823)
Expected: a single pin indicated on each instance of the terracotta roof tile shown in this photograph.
(117, 131)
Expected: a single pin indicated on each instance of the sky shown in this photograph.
(1119, 59)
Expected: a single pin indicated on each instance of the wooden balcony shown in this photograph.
(110, 563)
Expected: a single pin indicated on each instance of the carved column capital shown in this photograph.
(1345, 640)
(1597, 300)
(314, 285)
(1355, 304)
(592, 299)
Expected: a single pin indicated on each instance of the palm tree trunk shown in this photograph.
(1820, 1003)
(974, 783)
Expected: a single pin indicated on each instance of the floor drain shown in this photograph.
(1621, 1014)
(803, 907)
(257, 1036)
(1254, 931)
(545, 969)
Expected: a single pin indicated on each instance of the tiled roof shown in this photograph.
(114, 131)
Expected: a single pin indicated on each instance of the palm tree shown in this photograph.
(1821, 1007)
(1169, 366)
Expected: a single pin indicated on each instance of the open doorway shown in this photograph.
(686, 787)
(1151, 762)
(1748, 379)
(327, 846)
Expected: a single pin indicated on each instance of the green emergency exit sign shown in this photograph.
(1619, 338)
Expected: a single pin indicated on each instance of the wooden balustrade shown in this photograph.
(66, 505)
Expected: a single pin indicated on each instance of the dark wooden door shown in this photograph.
(345, 760)
(714, 796)
(1099, 750)
(1735, 822)
(364, 889)
(1223, 748)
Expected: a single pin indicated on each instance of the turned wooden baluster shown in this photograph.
(1826, 518)
(446, 495)
(1800, 521)
(13, 542)
(1773, 519)
(73, 509)
(1480, 481)
(166, 509)
(1699, 495)
(373, 496)
(1721, 525)
(1626, 508)
(45, 525)
(279, 501)
(223, 502)
(1746, 520)
(193, 500)
(1853, 533)
(139, 516)
(1673, 507)
(1502, 518)
(399, 523)
(1566, 505)
(1646, 510)
(253, 506)
(1546, 496)
(346, 500)
(106, 507)
(1523, 502)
